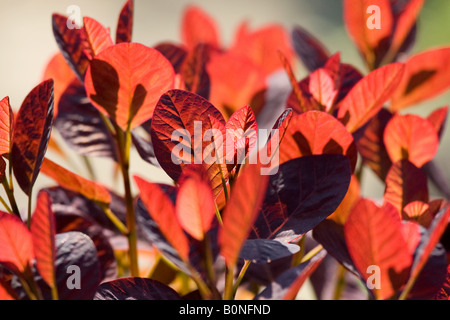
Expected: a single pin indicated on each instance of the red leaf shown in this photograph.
(242, 136)
(43, 232)
(194, 72)
(405, 183)
(98, 36)
(175, 54)
(62, 75)
(6, 126)
(197, 27)
(235, 80)
(5, 294)
(374, 238)
(310, 50)
(32, 130)
(16, 246)
(180, 121)
(195, 206)
(421, 212)
(324, 87)
(404, 23)
(352, 196)
(162, 210)
(411, 137)
(76, 183)
(426, 75)
(438, 119)
(261, 47)
(241, 211)
(116, 88)
(434, 234)
(367, 97)
(314, 133)
(73, 44)
(371, 41)
(124, 29)
(371, 145)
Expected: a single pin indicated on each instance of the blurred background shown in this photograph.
(27, 43)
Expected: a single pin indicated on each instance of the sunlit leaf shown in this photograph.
(315, 133)
(6, 126)
(177, 131)
(116, 88)
(198, 27)
(411, 137)
(69, 180)
(374, 238)
(405, 183)
(373, 41)
(195, 206)
(97, 35)
(162, 210)
(14, 254)
(426, 76)
(241, 211)
(43, 232)
(367, 97)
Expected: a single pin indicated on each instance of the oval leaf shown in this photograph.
(316, 133)
(197, 27)
(426, 76)
(374, 238)
(14, 254)
(195, 206)
(405, 183)
(118, 91)
(367, 97)
(76, 183)
(186, 116)
(43, 232)
(6, 126)
(162, 210)
(32, 130)
(124, 28)
(411, 137)
(135, 289)
(241, 211)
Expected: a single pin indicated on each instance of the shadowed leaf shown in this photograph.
(124, 29)
(32, 130)
(312, 53)
(135, 289)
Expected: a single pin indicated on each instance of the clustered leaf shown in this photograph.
(244, 204)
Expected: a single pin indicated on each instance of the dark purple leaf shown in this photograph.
(135, 289)
(308, 189)
(81, 125)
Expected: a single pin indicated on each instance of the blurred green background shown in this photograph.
(27, 43)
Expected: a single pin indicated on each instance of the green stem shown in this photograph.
(219, 217)
(241, 276)
(311, 253)
(116, 221)
(3, 202)
(229, 288)
(11, 198)
(124, 143)
(340, 283)
(29, 208)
